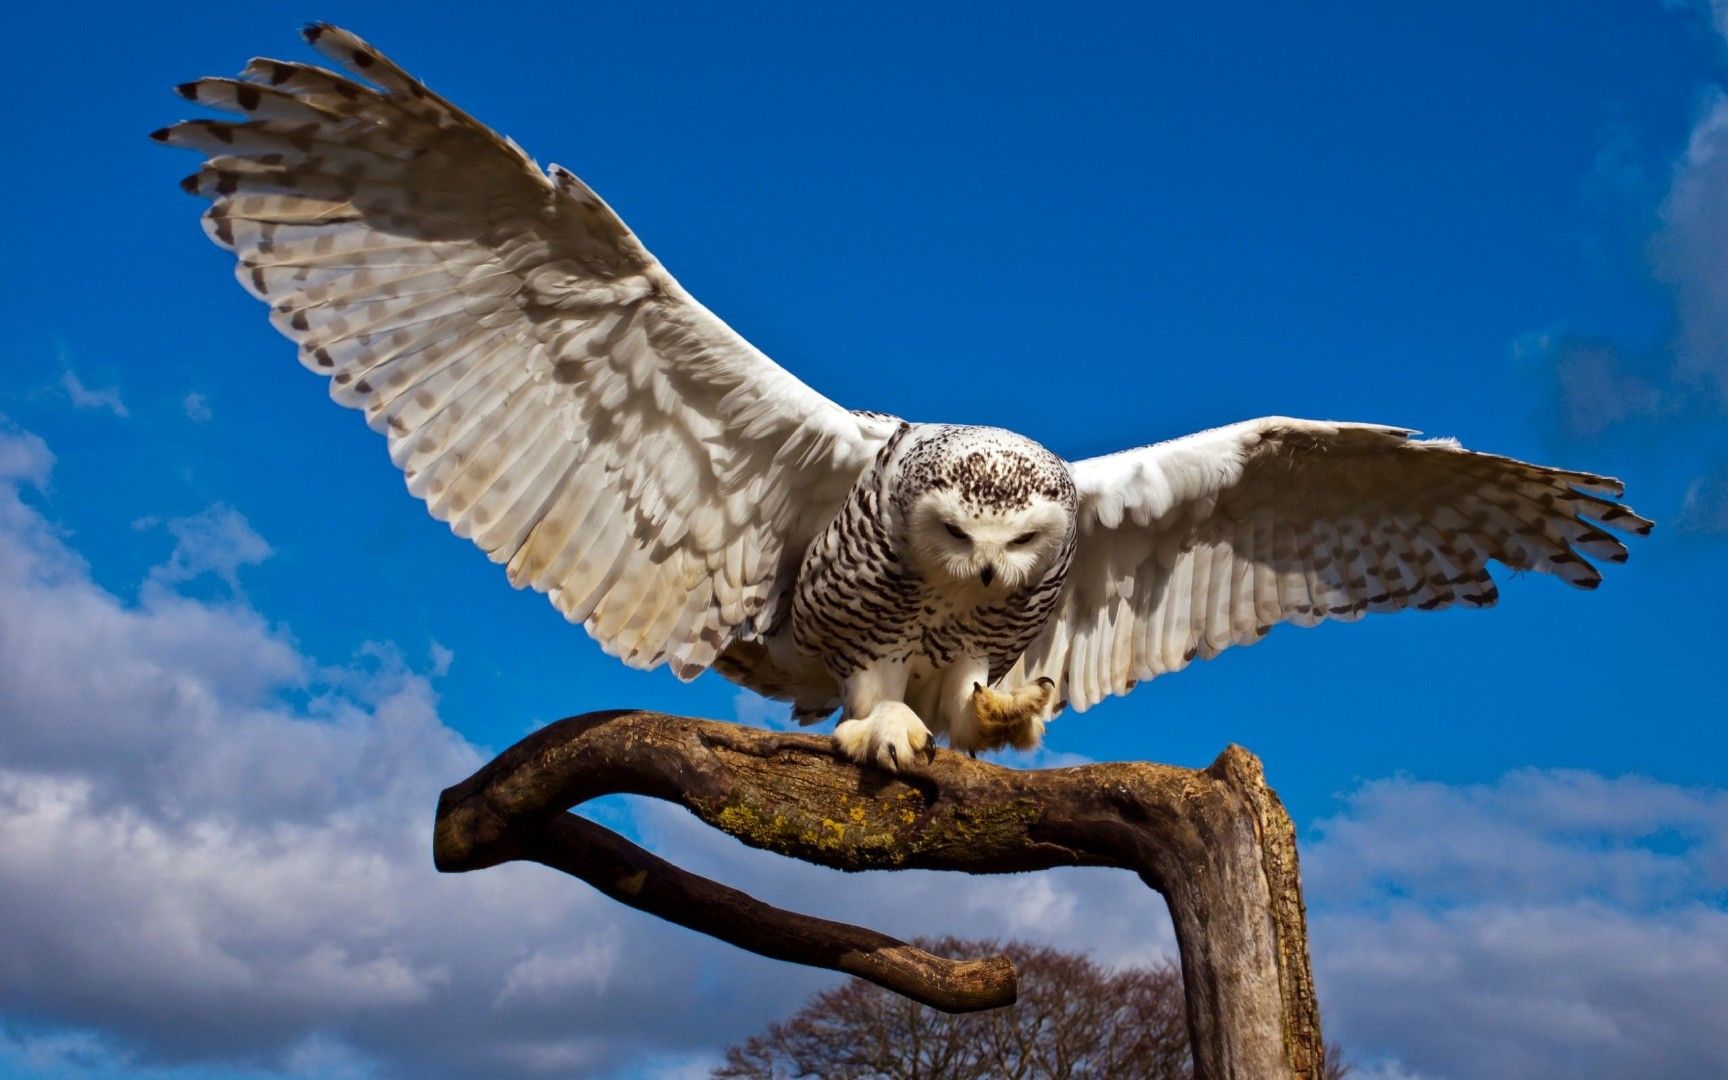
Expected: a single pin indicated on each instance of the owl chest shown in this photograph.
(947, 626)
(858, 599)
(856, 602)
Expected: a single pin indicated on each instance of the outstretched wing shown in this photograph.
(1190, 546)
(547, 387)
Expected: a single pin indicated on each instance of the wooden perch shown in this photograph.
(1216, 842)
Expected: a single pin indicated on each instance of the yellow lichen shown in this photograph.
(884, 832)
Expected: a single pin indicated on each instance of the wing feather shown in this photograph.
(1194, 545)
(545, 385)
(1165, 647)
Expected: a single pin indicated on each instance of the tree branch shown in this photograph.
(1215, 842)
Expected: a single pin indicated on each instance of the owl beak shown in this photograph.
(987, 575)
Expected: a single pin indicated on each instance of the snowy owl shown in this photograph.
(553, 394)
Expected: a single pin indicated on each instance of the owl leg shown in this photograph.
(879, 727)
(1015, 719)
(957, 710)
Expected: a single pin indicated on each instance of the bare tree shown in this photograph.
(1334, 1066)
(1074, 1019)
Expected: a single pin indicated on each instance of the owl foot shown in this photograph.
(891, 737)
(1015, 719)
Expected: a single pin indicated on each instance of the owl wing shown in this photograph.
(547, 387)
(1191, 546)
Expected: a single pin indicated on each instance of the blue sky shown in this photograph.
(1099, 227)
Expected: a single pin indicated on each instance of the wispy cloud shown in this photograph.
(196, 406)
(1705, 508)
(1674, 392)
(442, 657)
(1690, 253)
(217, 541)
(1597, 387)
(106, 399)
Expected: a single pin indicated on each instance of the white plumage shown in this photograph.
(552, 393)
(1193, 545)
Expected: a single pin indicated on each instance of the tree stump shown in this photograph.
(1216, 842)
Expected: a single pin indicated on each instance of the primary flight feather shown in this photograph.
(553, 393)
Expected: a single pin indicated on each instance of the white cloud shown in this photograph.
(1691, 251)
(1599, 389)
(196, 406)
(1549, 924)
(83, 397)
(553, 974)
(688, 1067)
(196, 870)
(1382, 1069)
(1704, 509)
(57, 1050)
(1530, 835)
(25, 460)
(217, 541)
(442, 657)
(1672, 393)
(1531, 992)
(85, 1055)
(1690, 254)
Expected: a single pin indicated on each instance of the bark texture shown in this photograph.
(1216, 842)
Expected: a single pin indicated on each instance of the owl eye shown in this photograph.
(955, 531)
(1024, 538)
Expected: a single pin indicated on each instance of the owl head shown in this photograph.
(986, 509)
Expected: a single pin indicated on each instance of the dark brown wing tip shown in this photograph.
(313, 31)
(1633, 522)
(187, 90)
(159, 135)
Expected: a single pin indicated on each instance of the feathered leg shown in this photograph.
(1015, 719)
(880, 728)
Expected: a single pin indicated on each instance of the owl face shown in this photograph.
(995, 548)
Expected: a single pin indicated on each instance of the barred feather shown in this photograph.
(1327, 521)
(547, 388)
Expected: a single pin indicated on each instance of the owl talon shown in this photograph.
(1015, 719)
(890, 735)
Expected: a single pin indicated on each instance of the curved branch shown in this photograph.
(632, 876)
(1216, 842)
